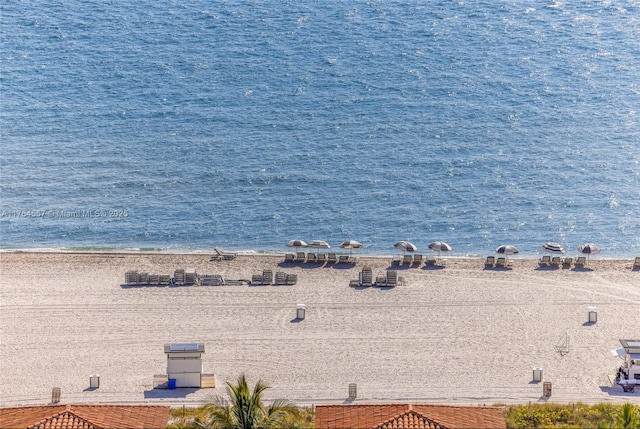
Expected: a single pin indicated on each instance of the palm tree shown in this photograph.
(246, 410)
(628, 417)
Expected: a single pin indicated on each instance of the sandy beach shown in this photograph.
(461, 334)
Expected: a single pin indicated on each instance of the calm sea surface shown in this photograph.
(181, 125)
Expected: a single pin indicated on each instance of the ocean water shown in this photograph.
(181, 125)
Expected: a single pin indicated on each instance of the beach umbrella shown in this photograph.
(440, 246)
(351, 244)
(589, 249)
(405, 246)
(552, 247)
(296, 244)
(507, 249)
(319, 244)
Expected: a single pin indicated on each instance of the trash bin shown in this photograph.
(94, 381)
(537, 374)
(172, 383)
(353, 391)
(593, 314)
(546, 389)
(300, 311)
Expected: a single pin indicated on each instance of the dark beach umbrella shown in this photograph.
(440, 246)
(405, 246)
(554, 248)
(589, 249)
(296, 244)
(507, 249)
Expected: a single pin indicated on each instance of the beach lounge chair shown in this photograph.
(490, 261)
(381, 280)
(343, 259)
(555, 261)
(501, 262)
(267, 277)
(256, 279)
(312, 258)
(292, 279)
(366, 277)
(178, 277)
(636, 263)
(566, 262)
(143, 279)
(322, 258)
(281, 278)
(407, 260)
(545, 261)
(331, 258)
(221, 254)
(301, 257)
(431, 261)
(397, 260)
(392, 278)
(417, 259)
(164, 280)
(154, 279)
(354, 283)
(581, 261)
(131, 278)
(289, 257)
(211, 280)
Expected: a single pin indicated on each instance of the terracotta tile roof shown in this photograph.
(85, 417)
(386, 416)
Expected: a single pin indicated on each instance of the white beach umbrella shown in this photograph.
(296, 244)
(589, 249)
(406, 246)
(440, 246)
(351, 244)
(552, 247)
(319, 244)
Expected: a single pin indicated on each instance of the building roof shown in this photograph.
(85, 417)
(414, 416)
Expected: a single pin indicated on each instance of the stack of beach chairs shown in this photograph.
(135, 278)
(267, 278)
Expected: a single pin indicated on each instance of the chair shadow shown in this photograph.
(433, 267)
(582, 269)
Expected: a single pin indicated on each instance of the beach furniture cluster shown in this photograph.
(180, 277)
(387, 279)
(319, 258)
(417, 260)
(267, 278)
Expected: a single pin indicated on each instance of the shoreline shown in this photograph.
(460, 334)
(391, 254)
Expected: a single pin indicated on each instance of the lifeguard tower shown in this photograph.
(184, 364)
(629, 372)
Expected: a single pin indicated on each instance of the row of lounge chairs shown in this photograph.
(416, 261)
(267, 278)
(180, 277)
(318, 258)
(388, 279)
(556, 261)
(500, 262)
